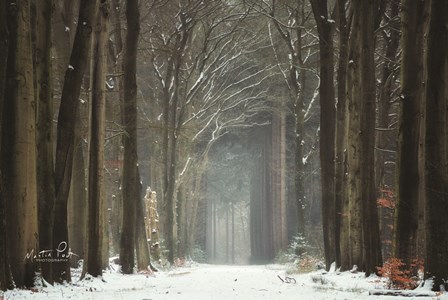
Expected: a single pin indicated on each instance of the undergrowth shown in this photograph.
(301, 256)
(399, 275)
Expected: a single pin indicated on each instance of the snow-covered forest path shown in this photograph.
(215, 282)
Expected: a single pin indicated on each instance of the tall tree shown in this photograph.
(436, 146)
(93, 263)
(131, 185)
(353, 144)
(368, 11)
(44, 140)
(62, 41)
(296, 82)
(172, 118)
(327, 125)
(66, 127)
(19, 147)
(363, 219)
(116, 64)
(341, 203)
(388, 41)
(5, 272)
(412, 88)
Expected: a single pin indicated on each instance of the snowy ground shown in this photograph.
(216, 282)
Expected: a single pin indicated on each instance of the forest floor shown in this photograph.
(219, 282)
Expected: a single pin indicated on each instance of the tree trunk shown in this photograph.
(77, 203)
(183, 212)
(196, 199)
(261, 229)
(44, 140)
(66, 128)
(93, 262)
(227, 232)
(299, 113)
(152, 219)
(143, 259)
(130, 178)
(341, 205)
(385, 133)
(173, 122)
(5, 272)
(214, 234)
(278, 196)
(299, 178)
(392, 40)
(232, 206)
(364, 230)
(19, 144)
(412, 88)
(436, 147)
(354, 96)
(117, 67)
(170, 220)
(296, 82)
(327, 126)
(371, 239)
(63, 18)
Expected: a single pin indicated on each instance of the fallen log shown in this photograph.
(402, 293)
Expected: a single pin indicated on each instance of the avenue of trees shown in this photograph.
(254, 122)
